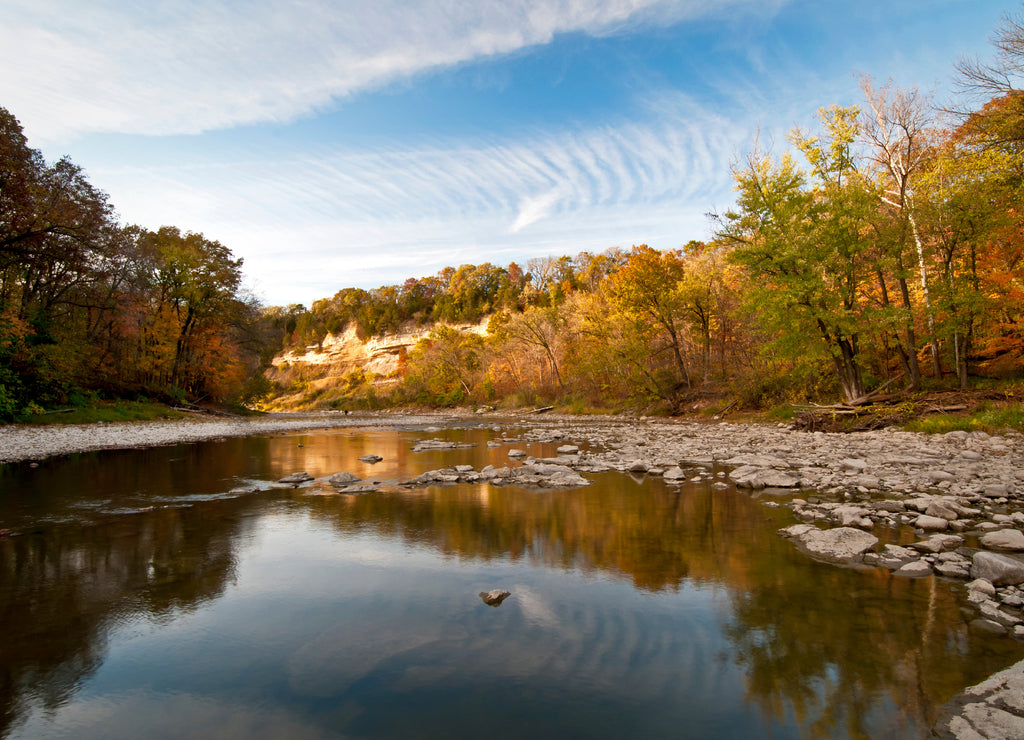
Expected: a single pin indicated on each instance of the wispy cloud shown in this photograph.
(376, 216)
(182, 66)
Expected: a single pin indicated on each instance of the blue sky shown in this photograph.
(335, 143)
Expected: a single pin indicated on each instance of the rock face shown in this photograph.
(839, 545)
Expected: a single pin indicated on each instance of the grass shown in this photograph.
(105, 411)
(988, 418)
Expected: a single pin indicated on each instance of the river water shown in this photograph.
(175, 592)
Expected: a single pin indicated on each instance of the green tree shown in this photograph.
(803, 242)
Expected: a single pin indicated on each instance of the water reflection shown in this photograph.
(637, 608)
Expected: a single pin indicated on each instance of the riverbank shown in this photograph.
(27, 442)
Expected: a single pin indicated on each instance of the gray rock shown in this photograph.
(296, 478)
(997, 569)
(372, 459)
(915, 569)
(516, 453)
(939, 543)
(931, 523)
(982, 586)
(675, 473)
(941, 509)
(839, 545)
(1005, 539)
(343, 479)
(495, 597)
(359, 488)
(568, 450)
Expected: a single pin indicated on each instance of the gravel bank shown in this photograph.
(38, 442)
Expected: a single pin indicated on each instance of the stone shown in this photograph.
(931, 523)
(372, 459)
(852, 516)
(942, 510)
(997, 569)
(494, 597)
(1011, 540)
(296, 478)
(358, 489)
(516, 453)
(842, 544)
(675, 473)
(568, 450)
(939, 543)
(983, 586)
(343, 479)
(915, 569)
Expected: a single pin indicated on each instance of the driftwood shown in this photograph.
(542, 410)
(724, 411)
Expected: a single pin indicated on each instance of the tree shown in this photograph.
(804, 246)
(896, 128)
(647, 288)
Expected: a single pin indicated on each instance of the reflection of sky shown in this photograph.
(316, 624)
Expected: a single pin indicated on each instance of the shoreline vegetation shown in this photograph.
(880, 254)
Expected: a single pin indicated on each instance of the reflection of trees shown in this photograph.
(907, 646)
(63, 588)
(654, 535)
(838, 648)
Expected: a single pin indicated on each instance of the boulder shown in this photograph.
(675, 473)
(941, 509)
(931, 523)
(997, 569)
(939, 543)
(839, 545)
(296, 478)
(915, 569)
(343, 479)
(568, 450)
(1011, 540)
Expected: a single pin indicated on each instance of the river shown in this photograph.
(180, 592)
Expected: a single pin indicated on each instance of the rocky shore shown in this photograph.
(961, 494)
(20, 442)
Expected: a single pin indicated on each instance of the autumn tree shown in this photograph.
(803, 241)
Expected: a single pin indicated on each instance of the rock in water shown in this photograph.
(296, 478)
(371, 459)
(495, 597)
(342, 479)
(839, 545)
(1004, 539)
(997, 569)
